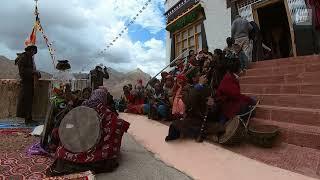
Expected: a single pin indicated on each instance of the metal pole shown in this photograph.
(166, 67)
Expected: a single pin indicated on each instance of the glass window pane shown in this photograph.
(185, 44)
(199, 28)
(177, 49)
(191, 41)
(185, 34)
(199, 42)
(178, 37)
(191, 31)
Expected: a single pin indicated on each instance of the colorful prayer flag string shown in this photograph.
(126, 27)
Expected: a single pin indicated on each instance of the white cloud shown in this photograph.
(80, 29)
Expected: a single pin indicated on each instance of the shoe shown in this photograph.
(168, 138)
(32, 123)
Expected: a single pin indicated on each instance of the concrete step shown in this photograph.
(297, 78)
(302, 116)
(207, 156)
(300, 135)
(289, 100)
(313, 89)
(282, 70)
(286, 61)
(286, 156)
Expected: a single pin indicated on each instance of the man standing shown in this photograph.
(97, 76)
(240, 32)
(27, 72)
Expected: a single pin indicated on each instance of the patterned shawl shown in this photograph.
(98, 96)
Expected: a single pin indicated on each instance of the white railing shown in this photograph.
(171, 63)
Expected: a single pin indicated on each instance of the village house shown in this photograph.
(198, 24)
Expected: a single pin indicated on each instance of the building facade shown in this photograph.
(196, 24)
(286, 25)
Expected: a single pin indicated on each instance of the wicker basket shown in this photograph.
(263, 135)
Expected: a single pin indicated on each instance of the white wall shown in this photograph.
(168, 47)
(217, 23)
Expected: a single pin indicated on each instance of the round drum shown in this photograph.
(263, 135)
(234, 132)
(80, 129)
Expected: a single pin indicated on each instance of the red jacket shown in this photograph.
(231, 100)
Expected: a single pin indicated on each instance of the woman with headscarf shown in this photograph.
(103, 157)
(178, 107)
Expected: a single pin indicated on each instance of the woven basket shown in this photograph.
(263, 135)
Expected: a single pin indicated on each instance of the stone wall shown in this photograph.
(9, 91)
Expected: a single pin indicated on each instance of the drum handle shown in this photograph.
(249, 117)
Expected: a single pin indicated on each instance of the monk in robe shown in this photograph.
(28, 73)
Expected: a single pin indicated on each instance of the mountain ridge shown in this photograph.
(114, 84)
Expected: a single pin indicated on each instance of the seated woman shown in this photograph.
(178, 107)
(158, 105)
(229, 97)
(169, 87)
(134, 99)
(104, 156)
(195, 100)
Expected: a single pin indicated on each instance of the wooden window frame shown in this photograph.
(181, 40)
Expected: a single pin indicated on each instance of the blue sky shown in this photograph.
(79, 29)
(138, 33)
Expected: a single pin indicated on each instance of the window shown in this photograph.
(188, 38)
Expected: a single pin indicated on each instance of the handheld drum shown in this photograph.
(80, 129)
(235, 132)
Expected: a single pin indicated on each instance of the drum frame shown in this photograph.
(243, 131)
(96, 141)
(48, 126)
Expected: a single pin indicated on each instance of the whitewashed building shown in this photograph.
(198, 24)
(193, 24)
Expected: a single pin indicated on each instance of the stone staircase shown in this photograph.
(289, 93)
(289, 90)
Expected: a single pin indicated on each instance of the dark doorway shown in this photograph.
(275, 30)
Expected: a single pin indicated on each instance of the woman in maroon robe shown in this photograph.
(229, 97)
(103, 157)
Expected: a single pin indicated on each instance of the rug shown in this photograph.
(16, 164)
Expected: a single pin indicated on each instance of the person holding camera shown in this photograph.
(97, 75)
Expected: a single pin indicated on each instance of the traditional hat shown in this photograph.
(63, 65)
(30, 47)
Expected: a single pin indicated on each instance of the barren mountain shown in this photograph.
(117, 80)
(8, 70)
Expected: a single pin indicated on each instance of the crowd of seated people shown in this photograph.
(205, 84)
